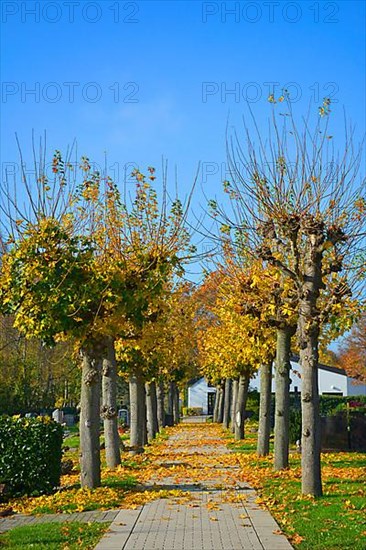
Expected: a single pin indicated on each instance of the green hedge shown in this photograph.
(330, 404)
(192, 411)
(30, 455)
(295, 425)
(253, 404)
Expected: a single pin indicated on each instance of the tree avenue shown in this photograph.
(164, 352)
(91, 271)
(300, 207)
(97, 272)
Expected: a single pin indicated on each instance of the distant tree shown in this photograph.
(352, 353)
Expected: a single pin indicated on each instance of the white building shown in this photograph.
(332, 381)
(202, 395)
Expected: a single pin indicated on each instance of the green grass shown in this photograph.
(73, 441)
(248, 445)
(335, 521)
(54, 536)
(161, 436)
(73, 429)
(126, 484)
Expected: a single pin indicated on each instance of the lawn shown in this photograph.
(336, 521)
(54, 536)
(73, 439)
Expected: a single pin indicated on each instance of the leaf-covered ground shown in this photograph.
(172, 467)
(162, 471)
(336, 521)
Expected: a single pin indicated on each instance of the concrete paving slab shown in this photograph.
(208, 522)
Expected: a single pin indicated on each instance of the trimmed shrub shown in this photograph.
(30, 455)
(295, 425)
(253, 404)
(329, 406)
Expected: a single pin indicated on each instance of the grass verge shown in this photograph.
(54, 536)
(333, 522)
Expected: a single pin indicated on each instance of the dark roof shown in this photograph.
(321, 366)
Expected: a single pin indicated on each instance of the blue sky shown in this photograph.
(173, 64)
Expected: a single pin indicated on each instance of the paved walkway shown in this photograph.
(220, 513)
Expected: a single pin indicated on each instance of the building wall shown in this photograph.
(329, 382)
(197, 394)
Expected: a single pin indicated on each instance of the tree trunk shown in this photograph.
(176, 404)
(233, 403)
(241, 402)
(109, 407)
(160, 405)
(170, 404)
(154, 407)
(227, 403)
(310, 440)
(309, 356)
(90, 421)
(220, 412)
(151, 410)
(216, 405)
(138, 435)
(282, 404)
(144, 421)
(264, 428)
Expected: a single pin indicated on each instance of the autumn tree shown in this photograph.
(159, 241)
(33, 376)
(80, 267)
(50, 287)
(301, 207)
(351, 355)
(267, 296)
(165, 351)
(232, 346)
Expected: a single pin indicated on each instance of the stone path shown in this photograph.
(21, 519)
(221, 513)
